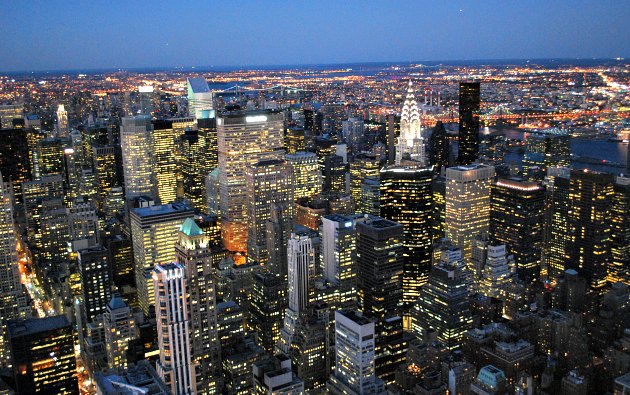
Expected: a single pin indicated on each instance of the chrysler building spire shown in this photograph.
(410, 144)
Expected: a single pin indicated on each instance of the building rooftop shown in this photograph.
(31, 326)
(162, 209)
(198, 85)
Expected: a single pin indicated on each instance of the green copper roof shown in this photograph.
(190, 228)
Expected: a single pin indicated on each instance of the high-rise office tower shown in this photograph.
(355, 371)
(467, 203)
(175, 366)
(269, 302)
(42, 356)
(207, 128)
(438, 148)
(13, 303)
(370, 197)
(339, 255)
(545, 149)
(120, 259)
(120, 329)
(106, 177)
(295, 139)
(590, 196)
(406, 199)
(50, 157)
(301, 273)
(193, 162)
(154, 232)
(438, 216)
(619, 268)
(165, 168)
(96, 280)
(62, 121)
(410, 143)
(244, 139)
(194, 252)
(496, 272)
(15, 154)
(353, 132)
(307, 177)
(136, 140)
(9, 112)
(443, 305)
(557, 231)
(334, 173)
(362, 167)
(268, 184)
(380, 268)
(517, 209)
(469, 106)
(200, 103)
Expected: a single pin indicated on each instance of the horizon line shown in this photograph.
(224, 68)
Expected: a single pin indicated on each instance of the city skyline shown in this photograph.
(128, 35)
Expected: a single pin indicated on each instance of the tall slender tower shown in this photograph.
(12, 299)
(268, 184)
(467, 204)
(410, 144)
(136, 140)
(469, 106)
(194, 252)
(301, 257)
(62, 121)
(244, 139)
(165, 163)
(120, 329)
(175, 365)
(406, 199)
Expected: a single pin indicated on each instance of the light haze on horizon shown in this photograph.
(58, 35)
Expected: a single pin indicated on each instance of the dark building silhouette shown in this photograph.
(438, 147)
(469, 106)
(42, 356)
(517, 210)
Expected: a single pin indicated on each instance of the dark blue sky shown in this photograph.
(55, 34)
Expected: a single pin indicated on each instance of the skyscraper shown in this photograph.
(175, 365)
(200, 103)
(557, 231)
(469, 106)
(194, 253)
(62, 121)
(496, 272)
(362, 167)
(380, 268)
(42, 356)
(410, 143)
(268, 186)
(154, 234)
(545, 149)
(438, 147)
(590, 196)
(244, 139)
(165, 162)
(467, 203)
(307, 177)
(406, 199)
(96, 280)
(355, 371)
(13, 303)
(338, 254)
(269, 302)
(619, 269)
(443, 305)
(136, 140)
(120, 329)
(517, 220)
(301, 273)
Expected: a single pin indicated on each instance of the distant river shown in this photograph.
(611, 151)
